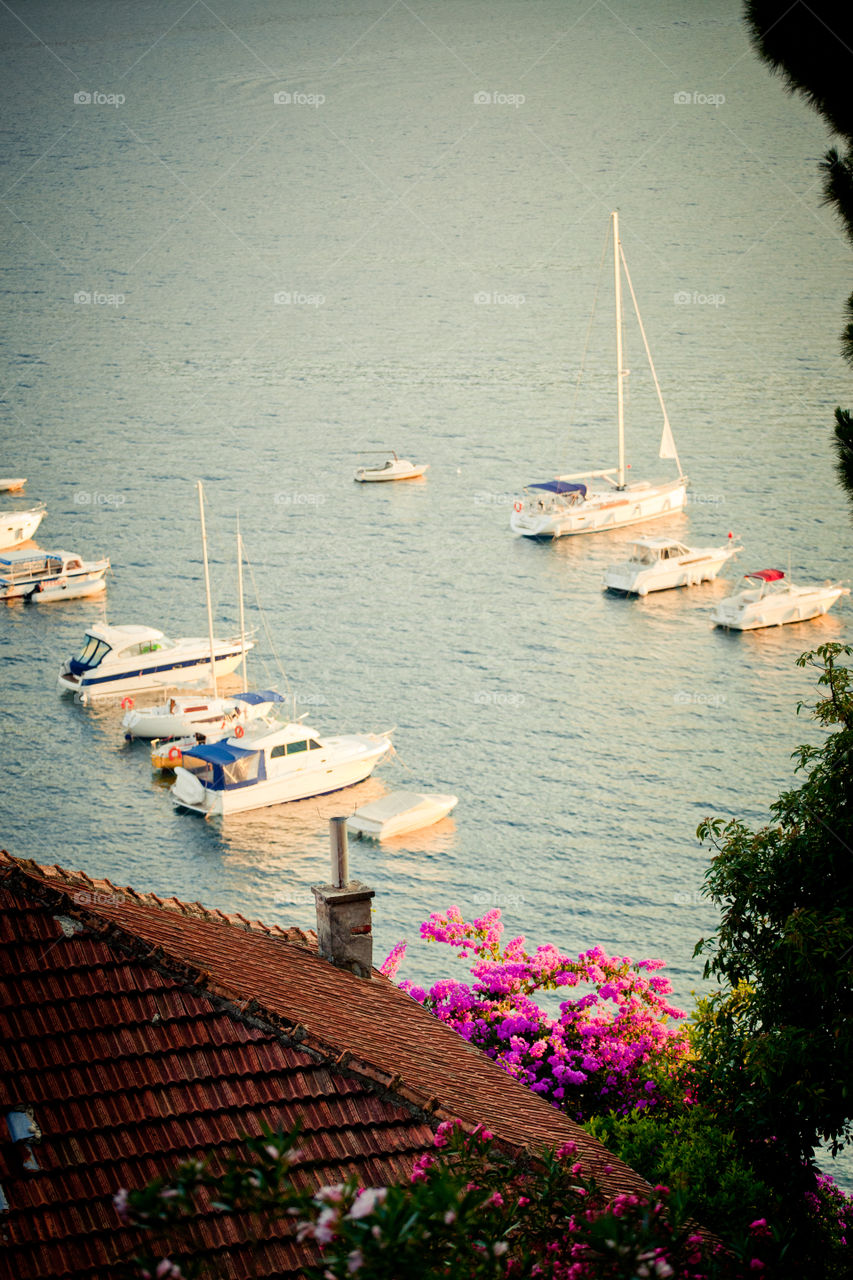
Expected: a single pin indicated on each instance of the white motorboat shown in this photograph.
(19, 526)
(771, 600)
(393, 468)
(272, 764)
(8, 485)
(567, 505)
(656, 564)
(43, 576)
(398, 813)
(119, 660)
(195, 713)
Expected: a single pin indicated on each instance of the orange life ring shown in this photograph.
(239, 731)
(174, 753)
(516, 506)
(127, 703)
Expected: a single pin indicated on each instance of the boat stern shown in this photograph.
(188, 792)
(624, 578)
(67, 681)
(531, 524)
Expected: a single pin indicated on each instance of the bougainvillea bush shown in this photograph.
(615, 1035)
(619, 1059)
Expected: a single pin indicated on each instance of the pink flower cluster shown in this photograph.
(393, 960)
(595, 1055)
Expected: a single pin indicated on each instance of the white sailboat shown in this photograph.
(567, 504)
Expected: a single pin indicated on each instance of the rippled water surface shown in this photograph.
(204, 283)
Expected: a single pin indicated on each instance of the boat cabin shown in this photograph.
(652, 551)
(123, 642)
(30, 566)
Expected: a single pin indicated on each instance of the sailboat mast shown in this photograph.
(620, 400)
(240, 593)
(207, 587)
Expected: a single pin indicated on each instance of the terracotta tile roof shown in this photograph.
(138, 1031)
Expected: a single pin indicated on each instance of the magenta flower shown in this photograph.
(600, 1049)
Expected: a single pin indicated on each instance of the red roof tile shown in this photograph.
(142, 1030)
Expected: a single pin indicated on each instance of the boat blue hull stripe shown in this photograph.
(148, 671)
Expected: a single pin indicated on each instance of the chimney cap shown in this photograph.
(353, 891)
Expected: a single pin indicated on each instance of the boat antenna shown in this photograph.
(207, 587)
(240, 594)
(620, 372)
(667, 448)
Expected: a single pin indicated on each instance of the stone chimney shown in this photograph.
(344, 930)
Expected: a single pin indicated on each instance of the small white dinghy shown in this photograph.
(393, 468)
(8, 485)
(771, 600)
(656, 564)
(399, 812)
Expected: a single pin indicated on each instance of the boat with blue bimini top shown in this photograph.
(273, 763)
(118, 660)
(44, 576)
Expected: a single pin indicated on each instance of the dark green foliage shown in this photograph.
(776, 1041)
(697, 1155)
(811, 47)
(844, 434)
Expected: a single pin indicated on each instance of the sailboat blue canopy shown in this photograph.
(560, 486)
(263, 695)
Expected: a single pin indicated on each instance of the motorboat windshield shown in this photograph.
(94, 652)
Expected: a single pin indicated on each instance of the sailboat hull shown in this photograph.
(598, 511)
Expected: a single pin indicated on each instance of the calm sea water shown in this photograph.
(248, 244)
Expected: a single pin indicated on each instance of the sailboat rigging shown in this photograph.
(567, 505)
